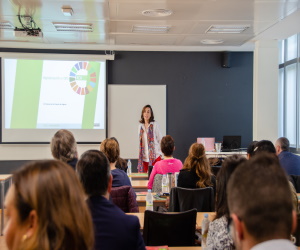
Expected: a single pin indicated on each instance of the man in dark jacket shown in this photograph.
(113, 228)
(289, 161)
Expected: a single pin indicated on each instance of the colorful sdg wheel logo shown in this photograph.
(82, 78)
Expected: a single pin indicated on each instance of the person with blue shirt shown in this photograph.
(113, 228)
(288, 161)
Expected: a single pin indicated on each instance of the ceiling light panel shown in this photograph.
(157, 13)
(156, 29)
(74, 27)
(227, 29)
(212, 41)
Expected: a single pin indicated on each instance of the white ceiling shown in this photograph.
(113, 20)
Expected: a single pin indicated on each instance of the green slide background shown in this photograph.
(90, 100)
(26, 93)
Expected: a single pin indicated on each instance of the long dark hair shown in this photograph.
(142, 120)
(197, 161)
(228, 166)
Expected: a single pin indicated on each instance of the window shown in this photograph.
(289, 90)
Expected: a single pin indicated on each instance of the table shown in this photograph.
(224, 154)
(141, 200)
(199, 219)
(3, 178)
(139, 185)
(139, 176)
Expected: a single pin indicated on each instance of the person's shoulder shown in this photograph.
(217, 223)
(128, 219)
(296, 155)
(116, 171)
(177, 161)
(184, 172)
(154, 123)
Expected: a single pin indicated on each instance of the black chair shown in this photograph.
(295, 180)
(183, 199)
(172, 229)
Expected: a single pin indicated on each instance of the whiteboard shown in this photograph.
(125, 103)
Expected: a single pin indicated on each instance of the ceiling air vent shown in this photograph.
(151, 29)
(157, 13)
(227, 29)
(5, 25)
(75, 27)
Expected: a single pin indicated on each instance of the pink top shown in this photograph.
(164, 167)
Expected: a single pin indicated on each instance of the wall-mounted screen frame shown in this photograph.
(42, 93)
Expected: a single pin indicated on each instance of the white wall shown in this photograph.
(265, 91)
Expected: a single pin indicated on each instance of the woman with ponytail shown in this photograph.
(196, 172)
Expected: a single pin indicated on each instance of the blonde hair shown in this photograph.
(111, 149)
(197, 161)
(63, 146)
(52, 189)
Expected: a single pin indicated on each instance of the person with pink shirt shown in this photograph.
(168, 164)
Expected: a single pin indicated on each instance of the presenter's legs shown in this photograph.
(145, 166)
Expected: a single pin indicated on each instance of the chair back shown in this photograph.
(172, 229)
(156, 188)
(295, 180)
(124, 197)
(183, 199)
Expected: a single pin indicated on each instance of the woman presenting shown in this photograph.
(150, 137)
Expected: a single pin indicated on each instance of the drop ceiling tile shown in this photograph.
(176, 27)
(228, 40)
(144, 39)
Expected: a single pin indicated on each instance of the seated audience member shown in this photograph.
(261, 211)
(64, 147)
(46, 209)
(289, 161)
(218, 237)
(168, 164)
(250, 149)
(196, 172)
(113, 228)
(121, 163)
(112, 151)
(264, 146)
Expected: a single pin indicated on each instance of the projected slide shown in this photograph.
(49, 94)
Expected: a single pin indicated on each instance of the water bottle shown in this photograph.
(165, 184)
(149, 201)
(204, 230)
(129, 169)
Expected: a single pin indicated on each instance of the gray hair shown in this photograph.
(284, 143)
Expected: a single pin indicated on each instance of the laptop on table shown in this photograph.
(231, 143)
